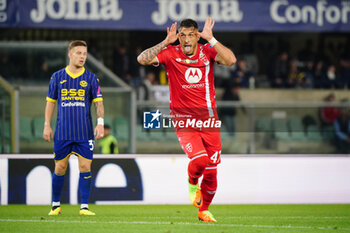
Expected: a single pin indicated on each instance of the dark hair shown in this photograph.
(188, 23)
(106, 127)
(76, 43)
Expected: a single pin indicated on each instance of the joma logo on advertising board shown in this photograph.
(176, 10)
(76, 10)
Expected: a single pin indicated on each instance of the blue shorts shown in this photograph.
(64, 148)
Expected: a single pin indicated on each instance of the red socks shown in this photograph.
(197, 168)
(208, 187)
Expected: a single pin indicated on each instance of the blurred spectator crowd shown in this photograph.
(311, 69)
(338, 119)
(308, 69)
(264, 66)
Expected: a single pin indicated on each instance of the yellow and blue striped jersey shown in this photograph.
(74, 94)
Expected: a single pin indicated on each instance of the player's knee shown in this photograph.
(60, 168)
(201, 161)
(197, 166)
(84, 167)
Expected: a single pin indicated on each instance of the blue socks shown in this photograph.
(57, 185)
(85, 186)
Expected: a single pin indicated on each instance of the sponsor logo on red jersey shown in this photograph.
(193, 75)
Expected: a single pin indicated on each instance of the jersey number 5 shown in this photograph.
(91, 143)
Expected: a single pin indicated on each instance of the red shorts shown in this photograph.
(196, 143)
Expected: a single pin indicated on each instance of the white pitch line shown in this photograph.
(242, 217)
(253, 217)
(171, 223)
(291, 217)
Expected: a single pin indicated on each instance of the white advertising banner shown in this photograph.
(162, 179)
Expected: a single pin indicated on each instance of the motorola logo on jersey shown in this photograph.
(193, 75)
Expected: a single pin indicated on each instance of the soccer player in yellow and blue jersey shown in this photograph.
(73, 89)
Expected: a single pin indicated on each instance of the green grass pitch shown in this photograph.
(177, 218)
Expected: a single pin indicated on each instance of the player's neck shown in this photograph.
(74, 69)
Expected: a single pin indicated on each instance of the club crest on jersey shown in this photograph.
(203, 57)
(193, 75)
(83, 83)
(188, 147)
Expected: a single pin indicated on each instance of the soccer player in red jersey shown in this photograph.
(189, 67)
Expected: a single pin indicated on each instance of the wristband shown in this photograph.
(212, 41)
(100, 121)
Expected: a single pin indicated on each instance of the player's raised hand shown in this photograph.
(47, 133)
(99, 132)
(207, 32)
(171, 34)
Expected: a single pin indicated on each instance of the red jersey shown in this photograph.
(191, 80)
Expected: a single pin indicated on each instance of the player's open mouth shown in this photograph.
(187, 48)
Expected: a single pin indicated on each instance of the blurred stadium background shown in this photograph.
(291, 56)
(292, 78)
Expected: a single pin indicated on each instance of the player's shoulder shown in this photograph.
(176, 47)
(171, 48)
(90, 75)
(88, 72)
(205, 47)
(172, 51)
(60, 72)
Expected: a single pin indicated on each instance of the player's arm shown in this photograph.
(148, 56)
(100, 112)
(47, 133)
(225, 56)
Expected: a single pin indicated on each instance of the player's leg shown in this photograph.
(85, 185)
(212, 143)
(208, 187)
(84, 151)
(62, 151)
(192, 145)
(196, 168)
